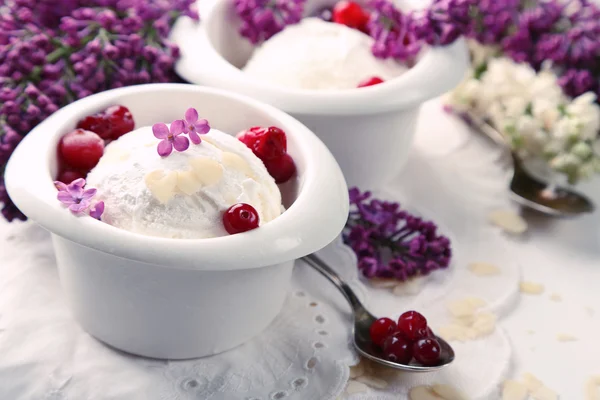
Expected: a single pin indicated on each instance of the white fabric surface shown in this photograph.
(453, 178)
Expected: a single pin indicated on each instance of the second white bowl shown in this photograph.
(369, 131)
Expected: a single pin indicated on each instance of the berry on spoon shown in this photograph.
(397, 348)
(412, 325)
(427, 351)
(381, 330)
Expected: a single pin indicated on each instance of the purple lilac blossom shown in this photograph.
(391, 243)
(53, 52)
(261, 19)
(391, 32)
(193, 126)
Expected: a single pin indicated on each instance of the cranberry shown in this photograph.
(271, 144)
(67, 176)
(97, 123)
(427, 351)
(282, 168)
(350, 14)
(120, 121)
(250, 136)
(429, 333)
(397, 348)
(81, 149)
(381, 329)
(374, 80)
(240, 218)
(412, 325)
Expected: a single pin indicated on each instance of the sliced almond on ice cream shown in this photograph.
(509, 221)
(206, 170)
(162, 185)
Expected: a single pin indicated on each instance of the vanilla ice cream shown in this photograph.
(185, 194)
(320, 55)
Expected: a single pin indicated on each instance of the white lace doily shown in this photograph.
(306, 352)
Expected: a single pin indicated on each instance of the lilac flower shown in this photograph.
(74, 195)
(391, 243)
(194, 126)
(576, 82)
(170, 138)
(443, 22)
(391, 31)
(261, 19)
(97, 210)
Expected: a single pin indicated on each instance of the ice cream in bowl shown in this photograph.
(360, 96)
(177, 212)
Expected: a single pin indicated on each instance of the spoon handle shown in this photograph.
(318, 264)
(483, 127)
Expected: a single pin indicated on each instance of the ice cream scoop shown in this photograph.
(319, 55)
(185, 194)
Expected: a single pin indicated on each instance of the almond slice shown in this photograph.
(513, 390)
(531, 382)
(373, 382)
(592, 388)
(383, 283)
(236, 162)
(565, 337)
(423, 393)
(356, 387)
(448, 392)
(483, 269)
(509, 221)
(206, 170)
(357, 370)
(162, 185)
(544, 393)
(187, 182)
(531, 288)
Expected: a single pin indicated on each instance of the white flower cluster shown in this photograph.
(530, 109)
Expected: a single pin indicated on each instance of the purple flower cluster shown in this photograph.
(392, 33)
(261, 19)
(391, 243)
(171, 137)
(444, 21)
(78, 199)
(53, 52)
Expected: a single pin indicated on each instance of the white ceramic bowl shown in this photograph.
(176, 298)
(369, 131)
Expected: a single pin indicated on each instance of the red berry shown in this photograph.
(249, 137)
(81, 149)
(281, 169)
(350, 14)
(120, 121)
(427, 351)
(412, 325)
(429, 333)
(381, 329)
(271, 144)
(397, 348)
(240, 218)
(97, 123)
(374, 80)
(67, 176)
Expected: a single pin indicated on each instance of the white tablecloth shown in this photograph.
(453, 176)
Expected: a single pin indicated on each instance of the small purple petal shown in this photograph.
(177, 127)
(77, 184)
(160, 131)
(65, 198)
(202, 126)
(97, 210)
(88, 194)
(181, 143)
(79, 208)
(191, 116)
(194, 137)
(60, 186)
(165, 147)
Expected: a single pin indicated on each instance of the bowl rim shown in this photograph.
(289, 236)
(202, 64)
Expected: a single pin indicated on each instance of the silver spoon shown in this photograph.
(363, 320)
(531, 192)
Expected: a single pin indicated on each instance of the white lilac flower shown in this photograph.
(587, 114)
(581, 150)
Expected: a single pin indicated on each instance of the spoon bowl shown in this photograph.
(363, 320)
